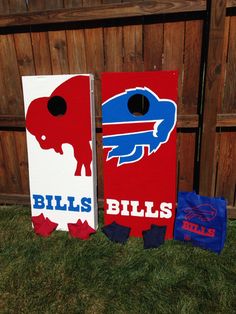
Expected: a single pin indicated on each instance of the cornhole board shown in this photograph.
(61, 147)
(139, 149)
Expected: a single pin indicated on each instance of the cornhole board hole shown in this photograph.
(61, 147)
(139, 149)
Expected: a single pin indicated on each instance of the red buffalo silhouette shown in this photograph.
(64, 117)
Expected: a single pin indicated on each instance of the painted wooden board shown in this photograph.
(139, 148)
(61, 147)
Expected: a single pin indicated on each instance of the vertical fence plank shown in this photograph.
(41, 5)
(212, 97)
(153, 46)
(192, 64)
(20, 142)
(95, 60)
(3, 173)
(9, 75)
(24, 53)
(173, 53)
(17, 6)
(91, 3)
(4, 7)
(3, 94)
(55, 4)
(36, 5)
(13, 184)
(76, 51)
(113, 49)
(58, 50)
(73, 3)
(186, 158)
(41, 53)
(132, 1)
(133, 48)
(229, 103)
(224, 60)
(226, 176)
(111, 1)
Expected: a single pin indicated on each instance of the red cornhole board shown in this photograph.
(139, 149)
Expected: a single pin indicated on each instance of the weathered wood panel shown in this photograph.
(112, 1)
(226, 170)
(11, 163)
(91, 3)
(41, 5)
(133, 48)
(186, 160)
(4, 7)
(3, 173)
(58, 50)
(24, 54)
(224, 59)
(153, 46)
(76, 51)
(229, 103)
(17, 6)
(94, 51)
(10, 83)
(99, 12)
(226, 120)
(173, 54)
(41, 51)
(213, 95)
(231, 3)
(6, 198)
(73, 3)
(113, 49)
(22, 162)
(192, 66)
(101, 9)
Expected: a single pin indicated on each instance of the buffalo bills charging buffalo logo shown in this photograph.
(136, 119)
(204, 212)
(64, 117)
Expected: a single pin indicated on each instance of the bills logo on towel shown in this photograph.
(204, 212)
(139, 144)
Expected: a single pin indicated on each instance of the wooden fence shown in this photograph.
(197, 38)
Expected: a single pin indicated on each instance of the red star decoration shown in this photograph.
(43, 226)
(80, 230)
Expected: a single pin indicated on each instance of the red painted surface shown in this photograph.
(73, 127)
(153, 177)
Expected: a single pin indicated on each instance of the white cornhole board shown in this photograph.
(60, 129)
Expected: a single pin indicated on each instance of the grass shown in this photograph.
(63, 275)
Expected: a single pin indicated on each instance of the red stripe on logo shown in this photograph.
(113, 128)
